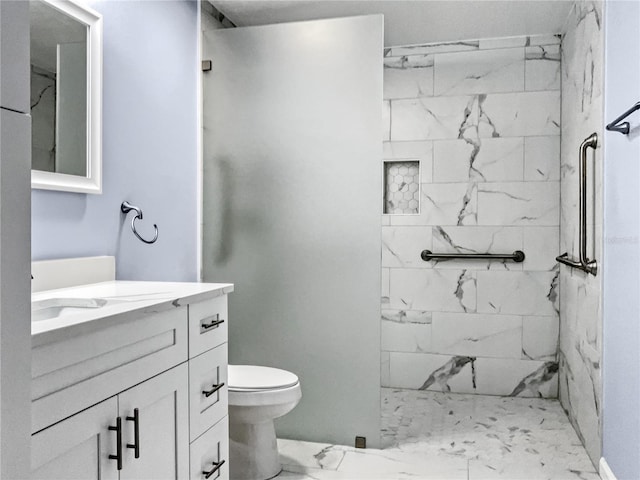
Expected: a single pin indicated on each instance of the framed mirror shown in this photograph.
(66, 96)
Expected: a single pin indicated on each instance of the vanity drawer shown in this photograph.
(210, 449)
(208, 395)
(207, 325)
(73, 374)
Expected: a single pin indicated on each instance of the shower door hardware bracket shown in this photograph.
(518, 256)
(206, 65)
(583, 263)
(623, 127)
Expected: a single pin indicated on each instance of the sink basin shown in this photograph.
(53, 307)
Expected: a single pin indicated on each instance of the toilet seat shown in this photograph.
(252, 378)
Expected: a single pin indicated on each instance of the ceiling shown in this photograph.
(410, 22)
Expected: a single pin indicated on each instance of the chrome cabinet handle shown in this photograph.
(136, 432)
(208, 393)
(214, 322)
(118, 429)
(216, 467)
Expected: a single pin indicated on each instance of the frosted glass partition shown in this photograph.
(292, 205)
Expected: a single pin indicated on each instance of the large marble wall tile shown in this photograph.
(421, 151)
(478, 159)
(532, 203)
(406, 331)
(541, 158)
(517, 378)
(518, 293)
(519, 114)
(580, 398)
(489, 159)
(431, 118)
(504, 42)
(427, 371)
(541, 247)
(401, 246)
(540, 337)
(433, 290)
(542, 67)
(581, 294)
(449, 204)
(468, 374)
(446, 239)
(486, 71)
(472, 45)
(431, 48)
(477, 335)
(384, 369)
(545, 39)
(384, 287)
(408, 76)
(386, 121)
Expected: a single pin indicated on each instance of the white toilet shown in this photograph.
(257, 396)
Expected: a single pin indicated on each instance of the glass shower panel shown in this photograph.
(292, 206)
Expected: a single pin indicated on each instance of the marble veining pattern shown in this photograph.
(483, 118)
(581, 295)
(429, 435)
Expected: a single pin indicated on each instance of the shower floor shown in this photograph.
(430, 435)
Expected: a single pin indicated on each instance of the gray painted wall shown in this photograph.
(621, 376)
(150, 149)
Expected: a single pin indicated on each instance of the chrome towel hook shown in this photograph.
(125, 208)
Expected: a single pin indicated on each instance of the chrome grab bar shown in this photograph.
(517, 256)
(583, 263)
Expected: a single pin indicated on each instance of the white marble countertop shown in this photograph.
(111, 302)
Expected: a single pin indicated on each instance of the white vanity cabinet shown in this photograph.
(141, 433)
(77, 448)
(144, 398)
(208, 396)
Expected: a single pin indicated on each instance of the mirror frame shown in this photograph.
(92, 182)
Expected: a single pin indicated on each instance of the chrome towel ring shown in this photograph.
(125, 208)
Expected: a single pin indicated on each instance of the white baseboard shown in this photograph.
(605, 471)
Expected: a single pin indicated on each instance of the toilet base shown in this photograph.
(253, 451)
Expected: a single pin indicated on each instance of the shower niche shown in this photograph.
(401, 187)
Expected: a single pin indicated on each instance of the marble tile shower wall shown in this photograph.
(483, 119)
(580, 351)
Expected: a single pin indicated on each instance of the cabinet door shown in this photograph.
(162, 405)
(79, 447)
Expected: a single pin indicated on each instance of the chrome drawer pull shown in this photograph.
(214, 322)
(216, 467)
(208, 393)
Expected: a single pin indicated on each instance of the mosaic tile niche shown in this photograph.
(402, 187)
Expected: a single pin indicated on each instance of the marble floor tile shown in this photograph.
(432, 435)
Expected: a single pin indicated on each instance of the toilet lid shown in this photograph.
(251, 377)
